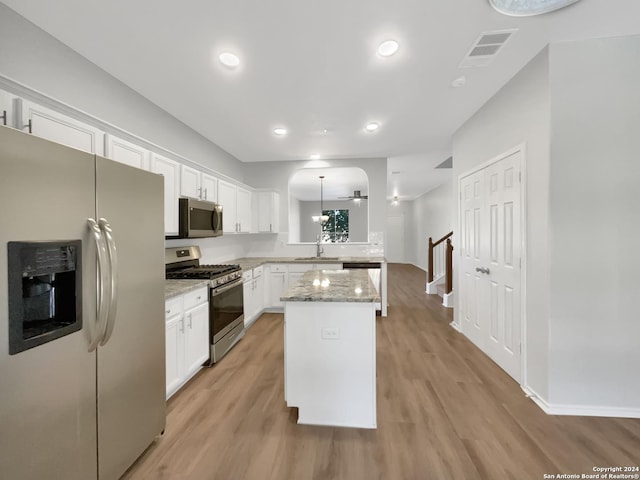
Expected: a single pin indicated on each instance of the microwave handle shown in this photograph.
(216, 219)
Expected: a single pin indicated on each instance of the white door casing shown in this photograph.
(490, 260)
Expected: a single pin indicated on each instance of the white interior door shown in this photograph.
(490, 260)
(395, 239)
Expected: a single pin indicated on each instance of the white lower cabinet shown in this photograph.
(253, 295)
(278, 283)
(187, 337)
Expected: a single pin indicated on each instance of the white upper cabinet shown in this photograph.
(236, 207)
(126, 152)
(189, 182)
(170, 170)
(197, 184)
(59, 128)
(243, 210)
(268, 208)
(209, 186)
(6, 109)
(227, 198)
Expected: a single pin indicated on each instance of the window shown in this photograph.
(336, 230)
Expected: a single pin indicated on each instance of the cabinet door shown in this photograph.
(227, 198)
(209, 186)
(126, 152)
(268, 212)
(243, 199)
(249, 301)
(189, 182)
(277, 285)
(59, 128)
(196, 330)
(258, 295)
(174, 341)
(170, 170)
(6, 109)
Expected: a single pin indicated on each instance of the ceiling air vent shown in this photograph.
(486, 47)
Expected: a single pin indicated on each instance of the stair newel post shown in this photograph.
(430, 260)
(449, 273)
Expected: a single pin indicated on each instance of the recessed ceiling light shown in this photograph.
(314, 156)
(280, 131)
(229, 59)
(372, 127)
(388, 48)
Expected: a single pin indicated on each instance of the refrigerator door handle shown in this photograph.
(113, 279)
(103, 286)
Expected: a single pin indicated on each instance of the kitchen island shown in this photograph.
(330, 348)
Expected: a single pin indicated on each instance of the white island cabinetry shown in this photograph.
(330, 348)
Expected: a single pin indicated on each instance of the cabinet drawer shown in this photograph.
(173, 306)
(196, 297)
(247, 275)
(257, 271)
(277, 267)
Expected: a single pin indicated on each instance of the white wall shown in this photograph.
(33, 58)
(358, 219)
(277, 174)
(432, 215)
(595, 223)
(576, 108)
(519, 114)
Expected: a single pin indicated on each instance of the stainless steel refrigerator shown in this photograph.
(82, 367)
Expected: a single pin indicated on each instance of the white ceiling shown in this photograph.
(338, 182)
(311, 65)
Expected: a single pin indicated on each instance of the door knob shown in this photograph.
(482, 270)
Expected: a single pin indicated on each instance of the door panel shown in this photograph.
(47, 404)
(131, 366)
(490, 261)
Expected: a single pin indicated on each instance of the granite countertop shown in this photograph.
(173, 288)
(249, 263)
(333, 286)
(178, 287)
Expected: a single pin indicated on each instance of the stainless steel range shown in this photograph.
(226, 302)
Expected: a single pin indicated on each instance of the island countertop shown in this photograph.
(333, 286)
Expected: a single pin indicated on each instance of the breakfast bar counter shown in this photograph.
(330, 348)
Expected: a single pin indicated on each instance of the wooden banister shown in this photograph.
(448, 260)
(449, 268)
(448, 235)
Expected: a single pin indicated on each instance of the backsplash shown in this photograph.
(229, 247)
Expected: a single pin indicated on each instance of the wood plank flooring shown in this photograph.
(445, 411)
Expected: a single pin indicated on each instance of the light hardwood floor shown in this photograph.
(445, 411)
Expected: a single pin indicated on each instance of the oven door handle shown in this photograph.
(224, 288)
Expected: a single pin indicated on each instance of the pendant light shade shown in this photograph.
(524, 8)
(321, 219)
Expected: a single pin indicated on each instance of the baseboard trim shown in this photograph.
(455, 326)
(432, 287)
(447, 300)
(580, 410)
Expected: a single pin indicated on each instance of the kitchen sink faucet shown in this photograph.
(319, 249)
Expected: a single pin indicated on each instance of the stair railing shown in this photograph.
(441, 261)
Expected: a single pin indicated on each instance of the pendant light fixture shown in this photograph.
(321, 219)
(525, 8)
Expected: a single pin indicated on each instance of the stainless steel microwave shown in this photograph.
(199, 219)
